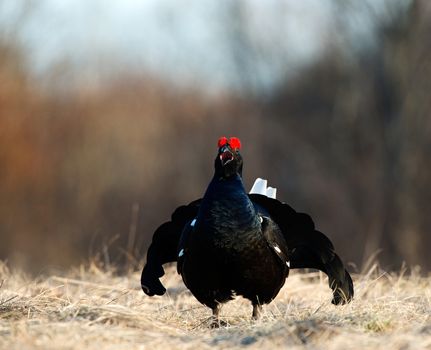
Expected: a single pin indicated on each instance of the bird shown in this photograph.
(232, 243)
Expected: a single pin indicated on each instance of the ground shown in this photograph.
(93, 308)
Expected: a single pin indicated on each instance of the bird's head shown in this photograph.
(228, 161)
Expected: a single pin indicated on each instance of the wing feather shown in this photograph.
(307, 247)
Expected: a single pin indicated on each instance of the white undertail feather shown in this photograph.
(260, 187)
(271, 192)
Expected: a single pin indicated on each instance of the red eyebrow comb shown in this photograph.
(233, 142)
(222, 141)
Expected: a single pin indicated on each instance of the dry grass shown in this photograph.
(89, 308)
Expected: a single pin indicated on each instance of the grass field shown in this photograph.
(91, 308)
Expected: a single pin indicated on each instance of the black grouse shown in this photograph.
(232, 243)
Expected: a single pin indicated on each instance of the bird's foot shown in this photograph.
(217, 323)
(214, 320)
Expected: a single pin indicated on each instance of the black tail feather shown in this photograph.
(163, 248)
(309, 248)
(339, 281)
(323, 258)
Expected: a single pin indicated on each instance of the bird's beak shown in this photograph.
(226, 156)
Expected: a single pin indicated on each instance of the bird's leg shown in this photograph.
(216, 311)
(257, 310)
(215, 320)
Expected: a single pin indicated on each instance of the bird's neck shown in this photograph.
(226, 204)
(226, 188)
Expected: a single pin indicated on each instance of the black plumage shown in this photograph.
(232, 243)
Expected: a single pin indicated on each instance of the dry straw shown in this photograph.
(91, 308)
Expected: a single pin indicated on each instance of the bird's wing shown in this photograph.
(307, 247)
(276, 242)
(164, 247)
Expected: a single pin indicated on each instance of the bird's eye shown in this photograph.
(222, 141)
(235, 143)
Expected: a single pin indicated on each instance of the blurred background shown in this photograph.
(110, 113)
